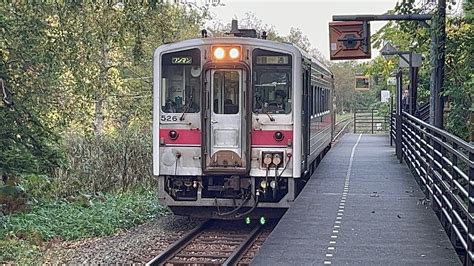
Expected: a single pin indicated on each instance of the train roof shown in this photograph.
(244, 40)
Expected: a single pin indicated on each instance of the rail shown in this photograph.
(370, 121)
(213, 242)
(444, 166)
(338, 130)
(173, 249)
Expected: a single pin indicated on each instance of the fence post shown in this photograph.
(355, 115)
(398, 127)
(372, 113)
(391, 120)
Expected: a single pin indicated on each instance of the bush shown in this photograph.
(72, 221)
(112, 162)
(18, 251)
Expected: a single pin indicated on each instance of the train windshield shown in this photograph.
(272, 82)
(272, 91)
(181, 82)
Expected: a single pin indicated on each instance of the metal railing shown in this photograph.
(424, 112)
(370, 121)
(444, 167)
(393, 127)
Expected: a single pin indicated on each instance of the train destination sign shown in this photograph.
(272, 60)
(182, 60)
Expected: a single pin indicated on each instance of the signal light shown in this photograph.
(234, 53)
(247, 220)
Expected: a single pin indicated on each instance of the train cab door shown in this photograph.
(225, 120)
(305, 117)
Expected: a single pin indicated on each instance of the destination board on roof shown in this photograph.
(272, 60)
(182, 60)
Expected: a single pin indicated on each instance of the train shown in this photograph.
(239, 124)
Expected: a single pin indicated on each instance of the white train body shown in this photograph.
(238, 123)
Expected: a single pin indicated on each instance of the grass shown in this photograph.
(23, 234)
(18, 251)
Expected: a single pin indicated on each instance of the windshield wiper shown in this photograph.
(186, 107)
(271, 117)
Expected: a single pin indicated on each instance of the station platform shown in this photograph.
(361, 207)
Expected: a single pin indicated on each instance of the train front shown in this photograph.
(223, 127)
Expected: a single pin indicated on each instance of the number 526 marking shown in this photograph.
(170, 118)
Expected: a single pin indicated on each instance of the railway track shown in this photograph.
(215, 242)
(220, 242)
(341, 127)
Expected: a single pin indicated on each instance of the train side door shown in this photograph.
(226, 151)
(305, 117)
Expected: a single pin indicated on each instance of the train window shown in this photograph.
(323, 100)
(271, 82)
(181, 82)
(226, 92)
(272, 93)
(316, 98)
(318, 101)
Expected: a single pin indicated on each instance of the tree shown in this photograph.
(344, 73)
(459, 65)
(81, 67)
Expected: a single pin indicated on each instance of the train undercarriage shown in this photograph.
(232, 196)
(228, 197)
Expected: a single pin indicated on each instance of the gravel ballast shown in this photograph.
(137, 245)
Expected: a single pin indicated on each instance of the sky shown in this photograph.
(312, 17)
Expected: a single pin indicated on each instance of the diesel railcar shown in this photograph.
(239, 124)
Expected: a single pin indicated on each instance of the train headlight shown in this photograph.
(276, 159)
(219, 53)
(223, 53)
(263, 184)
(234, 53)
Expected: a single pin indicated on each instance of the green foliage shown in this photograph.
(80, 67)
(347, 99)
(72, 221)
(459, 61)
(81, 81)
(40, 187)
(18, 251)
(26, 145)
(24, 232)
(107, 162)
(459, 83)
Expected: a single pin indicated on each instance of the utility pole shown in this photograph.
(437, 54)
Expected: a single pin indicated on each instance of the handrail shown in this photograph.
(444, 166)
(458, 140)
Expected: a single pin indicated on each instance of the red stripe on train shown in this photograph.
(267, 137)
(184, 137)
